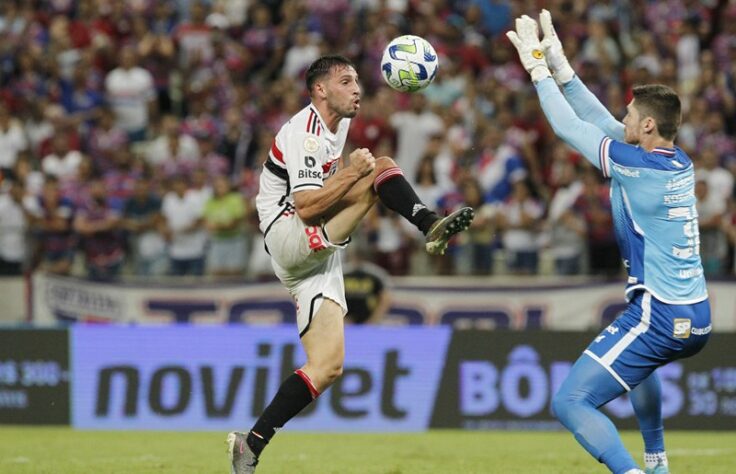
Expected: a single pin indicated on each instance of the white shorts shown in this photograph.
(308, 265)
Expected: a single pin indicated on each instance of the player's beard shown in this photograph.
(346, 111)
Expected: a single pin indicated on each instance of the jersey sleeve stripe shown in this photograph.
(306, 185)
(277, 153)
(309, 122)
(326, 167)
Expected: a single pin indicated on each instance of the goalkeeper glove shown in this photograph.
(556, 59)
(526, 41)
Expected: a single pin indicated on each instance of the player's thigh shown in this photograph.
(324, 342)
(356, 203)
(298, 250)
(588, 381)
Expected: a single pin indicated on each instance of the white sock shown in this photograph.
(634, 471)
(655, 459)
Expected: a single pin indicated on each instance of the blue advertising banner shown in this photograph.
(222, 377)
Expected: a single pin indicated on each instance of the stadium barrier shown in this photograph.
(461, 303)
(198, 377)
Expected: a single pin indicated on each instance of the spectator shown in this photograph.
(184, 229)
(63, 161)
(12, 139)
(594, 205)
(142, 220)
(565, 229)
(52, 221)
(235, 142)
(223, 214)
(713, 240)
(301, 54)
(172, 152)
(499, 164)
(211, 162)
(131, 93)
(518, 219)
(474, 255)
(414, 127)
(105, 138)
(13, 226)
(98, 223)
(367, 290)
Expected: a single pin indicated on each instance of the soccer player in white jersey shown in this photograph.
(653, 205)
(310, 201)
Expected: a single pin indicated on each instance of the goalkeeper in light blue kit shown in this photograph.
(653, 206)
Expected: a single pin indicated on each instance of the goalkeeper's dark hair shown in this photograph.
(322, 67)
(662, 104)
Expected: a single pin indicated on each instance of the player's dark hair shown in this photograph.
(322, 67)
(662, 104)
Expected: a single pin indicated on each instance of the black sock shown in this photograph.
(293, 395)
(396, 193)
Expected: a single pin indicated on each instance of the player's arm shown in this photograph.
(313, 199)
(585, 104)
(585, 137)
(581, 135)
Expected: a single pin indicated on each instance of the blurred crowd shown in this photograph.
(133, 132)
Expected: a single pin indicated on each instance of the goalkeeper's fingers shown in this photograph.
(514, 38)
(545, 19)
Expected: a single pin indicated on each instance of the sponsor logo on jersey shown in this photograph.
(680, 183)
(309, 161)
(316, 242)
(690, 272)
(309, 174)
(701, 331)
(681, 328)
(626, 171)
(677, 198)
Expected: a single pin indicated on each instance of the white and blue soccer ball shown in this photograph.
(409, 63)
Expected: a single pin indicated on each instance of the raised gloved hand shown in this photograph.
(553, 52)
(526, 41)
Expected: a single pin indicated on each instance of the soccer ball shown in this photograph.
(409, 63)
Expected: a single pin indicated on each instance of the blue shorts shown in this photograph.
(650, 334)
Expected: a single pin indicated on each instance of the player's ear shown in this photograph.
(319, 89)
(649, 125)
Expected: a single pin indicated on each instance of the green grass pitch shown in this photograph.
(65, 451)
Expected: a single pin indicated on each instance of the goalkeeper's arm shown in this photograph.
(585, 137)
(584, 103)
(589, 108)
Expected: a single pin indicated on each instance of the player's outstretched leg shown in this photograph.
(587, 387)
(396, 193)
(242, 458)
(646, 399)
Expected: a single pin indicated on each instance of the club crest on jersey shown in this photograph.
(311, 145)
(681, 328)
